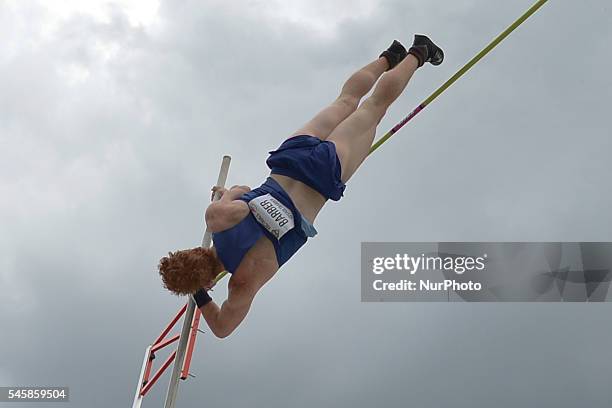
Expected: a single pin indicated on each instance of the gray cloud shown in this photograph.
(112, 134)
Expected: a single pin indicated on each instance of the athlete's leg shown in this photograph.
(358, 85)
(354, 136)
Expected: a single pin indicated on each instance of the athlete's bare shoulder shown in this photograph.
(228, 210)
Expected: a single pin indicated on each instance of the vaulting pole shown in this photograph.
(206, 241)
(182, 347)
(459, 73)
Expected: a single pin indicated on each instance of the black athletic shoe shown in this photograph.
(394, 54)
(426, 51)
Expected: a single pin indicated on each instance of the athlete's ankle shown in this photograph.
(426, 51)
(419, 52)
(394, 54)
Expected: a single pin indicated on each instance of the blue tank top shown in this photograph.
(233, 243)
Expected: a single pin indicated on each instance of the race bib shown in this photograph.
(272, 215)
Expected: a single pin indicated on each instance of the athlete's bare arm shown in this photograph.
(254, 271)
(224, 320)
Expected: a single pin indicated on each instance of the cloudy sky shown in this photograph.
(113, 121)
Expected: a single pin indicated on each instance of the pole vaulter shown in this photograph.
(255, 231)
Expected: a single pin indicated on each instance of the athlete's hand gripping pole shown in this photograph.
(206, 240)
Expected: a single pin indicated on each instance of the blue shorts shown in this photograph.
(312, 161)
(233, 243)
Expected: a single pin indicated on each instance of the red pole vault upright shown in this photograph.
(186, 339)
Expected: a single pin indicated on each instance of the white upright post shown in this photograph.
(138, 397)
(182, 347)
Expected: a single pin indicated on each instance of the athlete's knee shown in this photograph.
(377, 107)
(388, 89)
(349, 102)
(359, 83)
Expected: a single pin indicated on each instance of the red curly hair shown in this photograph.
(184, 272)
